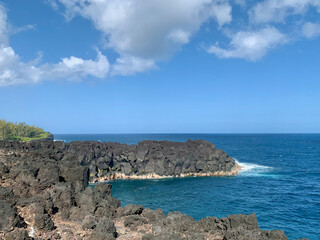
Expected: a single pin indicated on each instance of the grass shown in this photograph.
(27, 139)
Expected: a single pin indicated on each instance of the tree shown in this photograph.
(2, 129)
(19, 131)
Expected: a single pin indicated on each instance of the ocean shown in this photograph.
(280, 181)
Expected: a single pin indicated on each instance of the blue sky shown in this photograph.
(135, 66)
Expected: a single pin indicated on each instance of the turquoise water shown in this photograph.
(281, 181)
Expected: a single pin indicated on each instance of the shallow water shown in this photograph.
(280, 181)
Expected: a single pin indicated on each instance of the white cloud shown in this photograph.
(129, 65)
(179, 36)
(13, 71)
(15, 30)
(250, 45)
(311, 30)
(242, 3)
(143, 33)
(278, 10)
(77, 68)
(222, 13)
(147, 31)
(3, 26)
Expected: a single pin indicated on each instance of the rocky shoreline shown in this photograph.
(147, 159)
(45, 194)
(115, 176)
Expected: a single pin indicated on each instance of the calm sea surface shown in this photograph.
(281, 181)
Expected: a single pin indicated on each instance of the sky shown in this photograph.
(161, 66)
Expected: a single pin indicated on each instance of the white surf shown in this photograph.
(255, 170)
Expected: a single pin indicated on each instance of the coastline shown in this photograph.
(46, 196)
(116, 176)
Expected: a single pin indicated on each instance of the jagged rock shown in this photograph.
(46, 183)
(177, 222)
(134, 221)
(130, 209)
(153, 216)
(3, 170)
(274, 235)
(6, 193)
(35, 215)
(18, 234)
(43, 222)
(105, 229)
(163, 236)
(247, 222)
(75, 174)
(48, 174)
(114, 160)
(9, 218)
(89, 222)
(96, 201)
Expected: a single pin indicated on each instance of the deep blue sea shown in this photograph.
(281, 181)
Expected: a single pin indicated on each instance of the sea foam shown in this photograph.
(254, 170)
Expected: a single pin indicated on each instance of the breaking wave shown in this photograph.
(255, 170)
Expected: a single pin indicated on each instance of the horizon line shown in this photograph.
(189, 133)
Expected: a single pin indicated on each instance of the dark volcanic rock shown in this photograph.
(44, 192)
(9, 218)
(18, 234)
(114, 160)
(130, 209)
(134, 221)
(105, 229)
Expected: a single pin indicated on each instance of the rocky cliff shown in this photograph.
(147, 159)
(44, 194)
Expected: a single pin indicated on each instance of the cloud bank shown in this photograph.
(143, 33)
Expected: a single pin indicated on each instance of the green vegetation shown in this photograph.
(20, 131)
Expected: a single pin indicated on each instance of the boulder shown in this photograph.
(9, 218)
(133, 221)
(18, 234)
(105, 228)
(130, 209)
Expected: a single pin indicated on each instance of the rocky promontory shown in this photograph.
(147, 159)
(45, 194)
